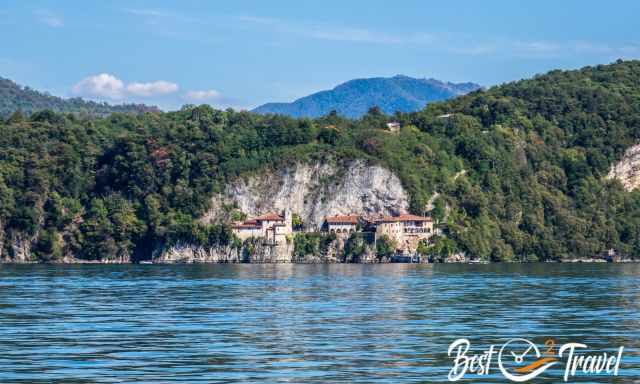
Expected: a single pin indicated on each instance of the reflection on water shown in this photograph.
(300, 323)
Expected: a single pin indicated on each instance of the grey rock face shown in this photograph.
(627, 170)
(20, 248)
(314, 191)
(256, 252)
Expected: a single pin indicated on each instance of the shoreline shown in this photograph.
(469, 262)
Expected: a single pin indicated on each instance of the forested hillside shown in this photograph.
(519, 168)
(26, 100)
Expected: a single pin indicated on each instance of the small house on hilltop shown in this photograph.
(393, 126)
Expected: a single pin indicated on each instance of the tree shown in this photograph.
(48, 246)
(442, 248)
(16, 117)
(296, 221)
(385, 247)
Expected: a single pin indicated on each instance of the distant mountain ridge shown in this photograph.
(14, 97)
(354, 98)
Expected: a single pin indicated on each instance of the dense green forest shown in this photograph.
(530, 159)
(14, 97)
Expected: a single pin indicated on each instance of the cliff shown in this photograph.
(314, 191)
(19, 246)
(627, 170)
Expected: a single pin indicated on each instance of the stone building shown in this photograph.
(273, 227)
(342, 224)
(405, 230)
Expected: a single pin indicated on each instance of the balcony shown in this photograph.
(416, 230)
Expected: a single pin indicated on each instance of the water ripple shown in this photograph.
(300, 323)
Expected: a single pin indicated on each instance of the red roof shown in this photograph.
(269, 217)
(254, 223)
(402, 218)
(347, 219)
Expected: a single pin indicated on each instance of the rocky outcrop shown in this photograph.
(310, 190)
(255, 251)
(335, 253)
(20, 249)
(189, 254)
(68, 259)
(314, 191)
(627, 170)
(456, 258)
(17, 249)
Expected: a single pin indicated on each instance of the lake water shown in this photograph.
(302, 323)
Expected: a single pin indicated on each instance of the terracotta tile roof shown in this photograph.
(255, 222)
(269, 217)
(346, 219)
(402, 218)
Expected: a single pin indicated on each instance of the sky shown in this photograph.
(243, 53)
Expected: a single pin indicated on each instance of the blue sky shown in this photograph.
(245, 53)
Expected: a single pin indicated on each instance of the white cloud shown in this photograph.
(157, 15)
(160, 87)
(541, 49)
(550, 49)
(102, 85)
(599, 48)
(368, 36)
(337, 33)
(147, 12)
(105, 85)
(478, 49)
(215, 99)
(49, 18)
(449, 42)
(210, 94)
